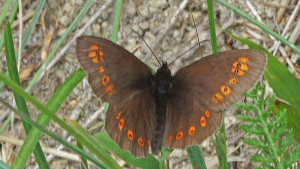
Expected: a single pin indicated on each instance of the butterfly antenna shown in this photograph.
(187, 51)
(147, 46)
(190, 8)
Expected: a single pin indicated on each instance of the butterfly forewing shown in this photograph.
(118, 77)
(202, 90)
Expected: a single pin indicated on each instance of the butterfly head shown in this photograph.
(163, 80)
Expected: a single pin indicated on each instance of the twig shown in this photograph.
(253, 10)
(25, 18)
(55, 152)
(291, 19)
(282, 9)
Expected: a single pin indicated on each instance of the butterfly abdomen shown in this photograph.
(162, 80)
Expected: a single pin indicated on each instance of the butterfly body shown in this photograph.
(147, 111)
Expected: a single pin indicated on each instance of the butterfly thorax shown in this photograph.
(162, 80)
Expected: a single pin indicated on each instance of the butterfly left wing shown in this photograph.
(131, 123)
(118, 77)
(202, 90)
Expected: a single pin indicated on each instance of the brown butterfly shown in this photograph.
(147, 111)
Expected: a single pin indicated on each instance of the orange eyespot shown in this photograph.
(105, 80)
(217, 97)
(244, 67)
(118, 116)
(141, 142)
(92, 54)
(235, 64)
(238, 72)
(121, 123)
(243, 59)
(232, 80)
(234, 70)
(94, 47)
(179, 135)
(203, 121)
(130, 135)
(192, 130)
(101, 69)
(109, 89)
(95, 60)
(99, 53)
(225, 90)
(207, 113)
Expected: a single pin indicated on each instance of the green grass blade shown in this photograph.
(53, 105)
(220, 141)
(44, 130)
(20, 102)
(220, 144)
(3, 165)
(212, 29)
(10, 20)
(72, 26)
(293, 117)
(33, 22)
(196, 157)
(116, 23)
(89, 142)
(165, 153)
(5, 124)
(260, 25)
(4, 10)
(30, 28)
(148, 162)
(55, 118)
(84, 160)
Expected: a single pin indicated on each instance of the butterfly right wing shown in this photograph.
(202, 90)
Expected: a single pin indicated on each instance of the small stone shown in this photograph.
(104, 15)
(104, 24)
(59, 73)
(144, 11)
(96, 28)
(67, 8)
(131, 10)
(64, 20)
(145, 26)
(75, 114)
(165, 45)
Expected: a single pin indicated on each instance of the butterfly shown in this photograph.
(149, 110)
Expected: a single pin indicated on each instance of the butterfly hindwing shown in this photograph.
(118, 77)
(131, 123)
(202, 90)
